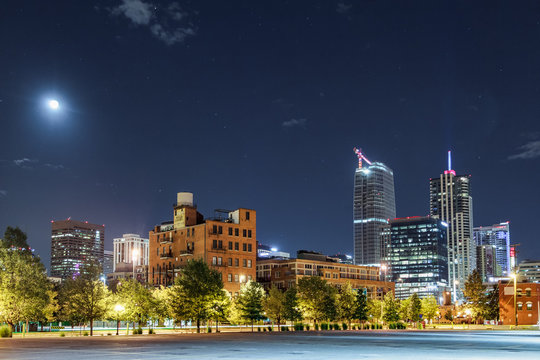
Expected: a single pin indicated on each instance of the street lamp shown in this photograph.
(134, 257)
(514, 276)
(118, 308)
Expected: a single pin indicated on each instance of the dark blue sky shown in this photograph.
(259, 105)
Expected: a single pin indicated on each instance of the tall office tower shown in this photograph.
(417, 256)
(451, 201)
(126, 249)
(74, 245)
(486, 262)
(373, 204)
(108, 262)
(497, 235)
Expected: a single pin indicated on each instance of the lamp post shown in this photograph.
(118, 308)
(514, 276)
(134, 256)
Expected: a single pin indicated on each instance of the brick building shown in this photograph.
(226, 243)
(286, 273)
(528, 302)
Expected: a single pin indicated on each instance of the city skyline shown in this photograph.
(259, 106)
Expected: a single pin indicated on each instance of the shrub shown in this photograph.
(62, 334)
(151, 331)
(85, 333)
(258, 329)
(298, 327)
(419, 326)
(109, 334)
(209, 330)
(5, 331)
(344, 326)
(324, 326)
(336, 326)
(316, 327)
(269, 328)
(307, 327)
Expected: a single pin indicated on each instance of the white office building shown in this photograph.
(128, 248)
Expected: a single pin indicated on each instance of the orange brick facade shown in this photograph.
(528, 303)
(228, 245)
(286, 273)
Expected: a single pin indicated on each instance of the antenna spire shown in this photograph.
(449, 160)
(361, 157)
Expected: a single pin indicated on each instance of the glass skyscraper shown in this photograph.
(497, 235)
(373, 205)
(417, 256)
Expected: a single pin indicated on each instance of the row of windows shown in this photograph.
(219, 230)
(219, 261)
(218, 244)
(528, 305)
(238, 278)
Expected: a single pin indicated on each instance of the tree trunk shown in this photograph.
(251, 325)
(91, 327)
(198, 326)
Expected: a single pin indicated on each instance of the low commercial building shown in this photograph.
(284, 274)
(267, 252)
(527, 300)
(227, 243)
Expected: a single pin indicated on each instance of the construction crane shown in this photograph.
(361, 157)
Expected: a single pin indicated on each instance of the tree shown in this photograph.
(221, 307)
(415, 307)
(25, 291)
(346, 303)
(291, 307)
(162, 309)
(85, 298)
(274, 305)
(404, 307)
(195, 291)
(137, 300)
(475, 295)
(250, 302)
(492, 305)
(374, 309)
(449, 316)
(390, 308)
(361, 311)
(14, 237)
(316, 298)
(430, 308)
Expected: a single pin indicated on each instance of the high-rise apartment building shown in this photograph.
(128, 248)
(74, 245)
(417, 256)
(227, 243)
(486, 262)
(497, 235)
(451, 201)
(108, 262)
(529, 270)
(373, 204)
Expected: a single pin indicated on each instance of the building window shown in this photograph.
(229, 277)
(249, 277)
(192, 231)
(214, 244)
(214, 260)
(520, 306)
(244, 233)
(519, 292)
(249, 263)
(235, 277)
(249, 233)
(528, 292)
(214, 229)
(277, 274)
(529, 306)
(236, 246)
(220, 230)
(244, 263)
(230, 231)
(250, 248)
(236, 262)
(236, 232)
(230, 245)
(220, 244)
(244, 247)
(230, 261)
(247, 215)
(219, 260)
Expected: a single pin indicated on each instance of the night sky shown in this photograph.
(259, 104)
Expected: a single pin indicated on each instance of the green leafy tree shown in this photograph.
(415, 307)
(430, 308)
(25, 291)
(316, 298)
(374, 309)
(475, 295)
(250, 302)
(85, 298)
(404, 307)
(137, 300)
(346, 303)
(390, 308)
(291, 306)
(194, 292)
(492, 304)
(361, 311)
(14, 237)
(221, 307)
(449, 316)
(274, 305)
(162, 309)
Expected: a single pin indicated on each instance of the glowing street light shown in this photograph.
(53, 104)
(118, 308)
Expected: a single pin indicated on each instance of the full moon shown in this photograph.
(54, 104)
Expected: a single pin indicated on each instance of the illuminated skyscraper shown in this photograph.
(74, 245)
(373, 204)
(451, 201)
(497, 235)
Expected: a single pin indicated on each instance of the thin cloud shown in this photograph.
(167, 23)
(55, 166)
(25, 163)
(530, 150)
(3, 193)
(343, 8)
(294, 123)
